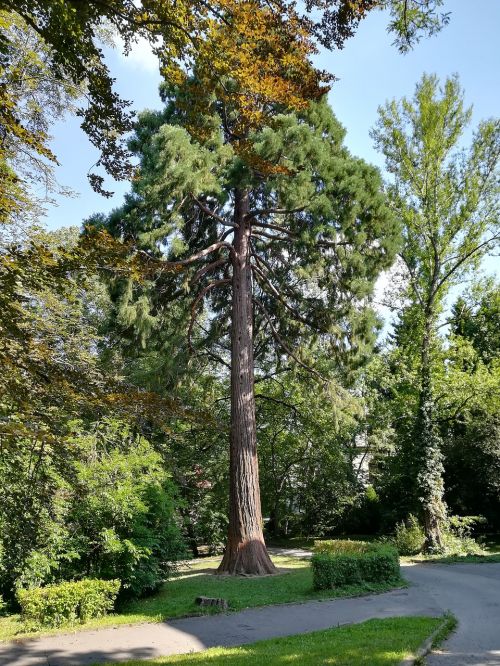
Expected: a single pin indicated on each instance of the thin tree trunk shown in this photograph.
(245, 550)
(430, 479)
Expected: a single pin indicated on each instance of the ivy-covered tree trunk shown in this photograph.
(245, 549)
(430, 478)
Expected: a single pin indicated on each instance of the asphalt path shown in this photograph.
(471, 592)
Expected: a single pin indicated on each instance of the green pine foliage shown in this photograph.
(313, 278)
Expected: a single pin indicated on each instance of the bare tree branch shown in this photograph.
(257, 233)
(206, 269)
(273, 211)
(166, 265)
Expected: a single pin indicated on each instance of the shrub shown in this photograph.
(457, 536)
(409, 537)
(340, 546)
(55, 605)
(110, 512)
(376, 563)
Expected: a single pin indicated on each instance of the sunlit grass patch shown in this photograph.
(176, 598)
(372, 643)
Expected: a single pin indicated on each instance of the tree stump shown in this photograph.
(212, 601)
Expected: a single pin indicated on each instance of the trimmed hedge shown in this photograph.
(55, 605)
(369, 563)
(341, 546)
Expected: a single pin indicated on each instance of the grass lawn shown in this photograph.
(372, 643)
(176, 597)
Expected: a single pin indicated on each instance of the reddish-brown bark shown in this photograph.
(245, 550)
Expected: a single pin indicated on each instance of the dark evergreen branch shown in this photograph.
(193, 258)
(296, 314)
(274, 227)
(256, 234)
(206, 269)
(283, 344)
(277, 401)
(194, 306)
(273, 211)
(212, 213)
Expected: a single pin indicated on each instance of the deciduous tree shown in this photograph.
(447, 199)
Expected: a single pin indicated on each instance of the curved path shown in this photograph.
(471, 592)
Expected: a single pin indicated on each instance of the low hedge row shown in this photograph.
(55, 605)
(341, 546)
(367, 563)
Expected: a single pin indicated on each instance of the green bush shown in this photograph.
(340, 546)
(375, 563)
(55, 605)
(409, 537)
(457, 536)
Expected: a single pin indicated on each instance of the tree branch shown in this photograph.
(282, 300)
(275, 227)
(256, 234)
(273, 211)
(206, 269)
(166, 265)
(213, 214)
(283, 344)
(194, 306)
(463, 259)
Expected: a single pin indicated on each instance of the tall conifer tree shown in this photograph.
(282, 241)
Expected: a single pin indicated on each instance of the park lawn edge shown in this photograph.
(122, 619)
(363, 636)
(439, 635)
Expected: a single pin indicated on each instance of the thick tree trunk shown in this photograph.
(245, 550)
(430, 479)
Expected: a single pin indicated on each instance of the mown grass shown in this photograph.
(176, 598)
(372, 643)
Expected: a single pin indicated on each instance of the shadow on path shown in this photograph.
(197, 633)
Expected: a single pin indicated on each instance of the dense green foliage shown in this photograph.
(106, 509)
(449, 204)
(56, 605)
(409, 537)
(340, 566)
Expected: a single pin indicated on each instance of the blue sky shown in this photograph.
(369, 69)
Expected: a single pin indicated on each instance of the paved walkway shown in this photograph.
(471, 592)
(197, 633)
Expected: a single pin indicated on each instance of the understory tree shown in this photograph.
(281, 245)
(447, 198)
